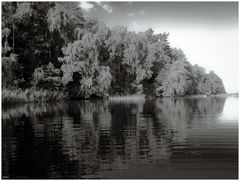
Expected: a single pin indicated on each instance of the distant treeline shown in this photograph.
(51, 46)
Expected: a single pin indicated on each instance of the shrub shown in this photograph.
(47, 77)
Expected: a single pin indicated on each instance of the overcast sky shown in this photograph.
(206, 31)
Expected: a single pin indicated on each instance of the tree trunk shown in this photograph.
(13, 36)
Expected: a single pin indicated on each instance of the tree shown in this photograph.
(199, 76)
(64, 18)
(55, 45)
(11, 72)
(158, 53)
(81, 71)
(31, 36)
(207, 84)
(215, 83)
(36, 32)
(178, 80)
(122, 77)
(8, 10)
(101, 35)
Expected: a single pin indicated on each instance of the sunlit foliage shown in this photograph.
(81, 57)
(47, 77)
(59, 49)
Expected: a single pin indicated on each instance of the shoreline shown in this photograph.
(19, 96)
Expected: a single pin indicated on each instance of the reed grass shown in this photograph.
(10, 96)
(128, 98)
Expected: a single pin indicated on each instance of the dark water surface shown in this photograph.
(122, 138)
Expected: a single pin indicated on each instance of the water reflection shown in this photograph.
(105, 138)
(230, 112)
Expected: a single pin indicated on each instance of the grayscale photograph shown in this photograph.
(119, 90)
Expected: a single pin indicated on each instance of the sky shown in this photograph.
(207, 32)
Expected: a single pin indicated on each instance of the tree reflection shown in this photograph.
(82, 138)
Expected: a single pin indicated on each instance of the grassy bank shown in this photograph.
(30, 95)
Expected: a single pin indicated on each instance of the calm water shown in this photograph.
(122, 138)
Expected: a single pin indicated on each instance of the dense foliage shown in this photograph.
(48, 77)
(51, 46)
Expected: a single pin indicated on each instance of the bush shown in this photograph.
(47, 77)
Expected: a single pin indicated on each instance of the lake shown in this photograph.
(122, 138)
